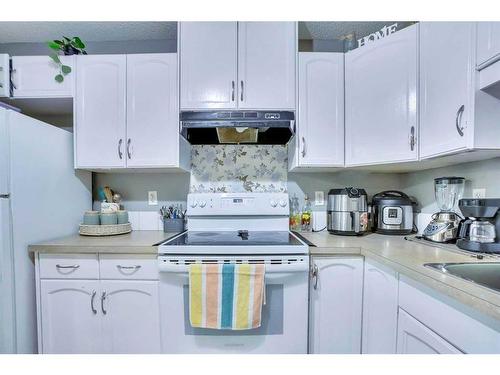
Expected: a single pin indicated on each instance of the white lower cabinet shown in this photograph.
(98, 316)
(335, 305)
(380, 309)
(416, 338)
(131, 317)
(69, 320)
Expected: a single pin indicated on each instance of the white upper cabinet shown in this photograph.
(100, 111)
(4, 75)
(446, 88)
(335, 305)
(416, 338)
(208, 65)
(266, 65)
(381, 100)
(488, 43)
(34, 76)
(152, 111)
(320, 125)
(131, 317)
(247, 65)
(69, 317)
(380, 309)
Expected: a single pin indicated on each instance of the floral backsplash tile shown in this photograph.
(238, 168)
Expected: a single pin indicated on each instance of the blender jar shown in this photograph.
(448, 191)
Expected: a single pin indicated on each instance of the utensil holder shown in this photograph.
(173, 225)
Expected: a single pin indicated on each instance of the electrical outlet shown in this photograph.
(153, 198)
(319, 198)
(479, 193)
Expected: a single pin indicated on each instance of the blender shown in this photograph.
(444, 224)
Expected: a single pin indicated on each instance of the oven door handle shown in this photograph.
(269, 268)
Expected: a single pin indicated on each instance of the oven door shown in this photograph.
(284, 313)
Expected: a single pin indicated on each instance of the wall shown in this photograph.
(481, 174)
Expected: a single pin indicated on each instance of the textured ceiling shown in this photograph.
(335, 30)
(19, 32)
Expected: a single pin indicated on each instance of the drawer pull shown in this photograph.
(103, 297)
(136, 267)
(74, 266)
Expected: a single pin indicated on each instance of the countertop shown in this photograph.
(408, 258)
(135, 242)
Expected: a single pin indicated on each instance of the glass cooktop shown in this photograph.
(231, 238)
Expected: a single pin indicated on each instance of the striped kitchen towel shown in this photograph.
(226, 296)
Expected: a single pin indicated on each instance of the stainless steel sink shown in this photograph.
(485, 274)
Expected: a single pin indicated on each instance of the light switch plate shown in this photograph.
(153, 198)
(319, 198)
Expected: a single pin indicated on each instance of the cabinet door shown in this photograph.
(69, 318)
(381, 100)
(208, 61)
(446, 90)
(321, 109)
(267, 56)
(34, 76)
(336, 298)
(380, 309)
(488, 42)
(152, 111)
(100, 111)
(416, 338)
(131, 321)
(4, 75)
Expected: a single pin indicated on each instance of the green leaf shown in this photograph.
(59, 78)
(60, 42)
(77, 42)
(55, 58)
(65, 69)
(67, 39)
(53, 45)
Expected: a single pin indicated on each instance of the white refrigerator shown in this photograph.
(42, 197)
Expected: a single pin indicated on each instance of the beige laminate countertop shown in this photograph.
(135, 242)
(408, 258)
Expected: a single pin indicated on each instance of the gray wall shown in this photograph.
(118, 47)
(481, 174)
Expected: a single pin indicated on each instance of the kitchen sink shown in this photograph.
(485, 274)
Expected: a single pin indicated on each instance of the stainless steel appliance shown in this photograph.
(444, 224)
(392, 213)
(237, 228)
(222, 127)
(480, 231)
(347, 211)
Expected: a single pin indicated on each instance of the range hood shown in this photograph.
(489, 79)
(237, 127)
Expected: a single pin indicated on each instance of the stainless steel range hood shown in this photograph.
(237, 127)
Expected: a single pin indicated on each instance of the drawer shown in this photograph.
(69, 266)
(130, 266)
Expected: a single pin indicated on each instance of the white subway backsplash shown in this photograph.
(145, 220)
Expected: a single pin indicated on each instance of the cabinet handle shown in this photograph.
(74, 266)
(303, 147)
(412, 138)
(458, 120)
(136, 267)
(315, 276)
(14, 86)
(92, 302)
(120, 154)
(103, 297)
(232, 90)
(128, 147)
(242, 87)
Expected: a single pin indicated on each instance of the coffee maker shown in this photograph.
(480, 230)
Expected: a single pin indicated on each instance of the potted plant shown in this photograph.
(68, 46)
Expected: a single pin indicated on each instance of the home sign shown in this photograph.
(382, 33)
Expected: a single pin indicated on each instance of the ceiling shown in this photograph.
(25, 32)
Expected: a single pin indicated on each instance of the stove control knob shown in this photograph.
(203, 204)
(194, 204)
(273, 203)
(283, 203)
